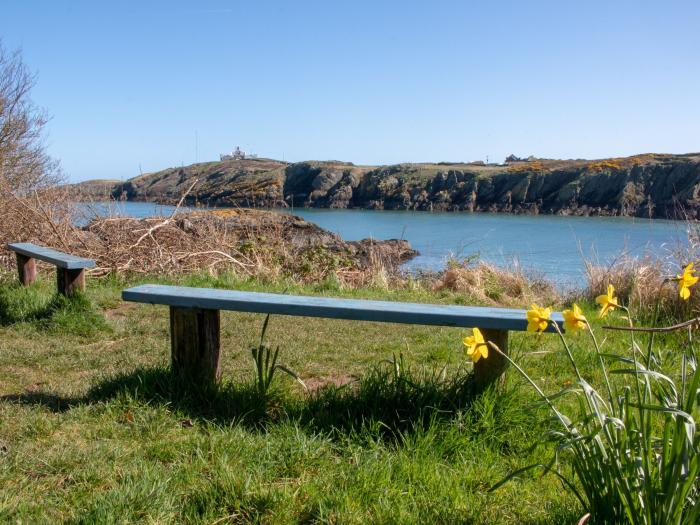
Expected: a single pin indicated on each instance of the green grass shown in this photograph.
(94, 429)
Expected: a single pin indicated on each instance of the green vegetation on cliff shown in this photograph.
(652, 185)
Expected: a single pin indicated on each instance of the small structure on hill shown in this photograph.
(237, 154)
(512, 158)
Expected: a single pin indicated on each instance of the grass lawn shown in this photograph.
(93, 429)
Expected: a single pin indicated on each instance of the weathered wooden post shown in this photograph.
(489, 371)
(26, 267)
(70, 281)
(194, 341)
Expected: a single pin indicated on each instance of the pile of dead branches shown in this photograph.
(42, 218)
(260, 244)
(163, 246)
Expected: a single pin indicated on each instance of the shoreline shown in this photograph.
(198, 206)
(284, 207)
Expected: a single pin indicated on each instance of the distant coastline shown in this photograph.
(650, 185)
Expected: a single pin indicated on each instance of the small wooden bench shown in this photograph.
(195, 320)
(70, 270)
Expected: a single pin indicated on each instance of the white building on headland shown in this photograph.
(237, 154)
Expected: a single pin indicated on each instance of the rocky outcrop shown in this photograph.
(94, 190)
(249, 183)
(300, 234)
(652, 185)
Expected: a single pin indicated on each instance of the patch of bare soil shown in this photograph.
(316, 383)
(121, 311)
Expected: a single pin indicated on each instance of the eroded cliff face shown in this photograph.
(661, 187)
(666, 186)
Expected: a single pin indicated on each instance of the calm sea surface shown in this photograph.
(552, 246)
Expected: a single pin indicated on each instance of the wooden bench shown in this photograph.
(195, 320)
(70, 270)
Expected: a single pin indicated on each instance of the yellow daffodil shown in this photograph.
(608, 301)
(574, 319)
(538, 318)
(475, 346)
(685, 281)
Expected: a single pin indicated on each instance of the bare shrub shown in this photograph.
(24, 164)
(32, 208)
(43, 218)
(252, 243)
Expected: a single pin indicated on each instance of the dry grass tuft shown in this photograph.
(529, 166)
(265, 245)
(491, 285)
(637, 281)
(644, 284)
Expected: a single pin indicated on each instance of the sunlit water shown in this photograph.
(552, 246)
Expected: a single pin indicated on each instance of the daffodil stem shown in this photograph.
(568, 350)
(691, 323)
(532, 383)
(642, 399)
(602, 366)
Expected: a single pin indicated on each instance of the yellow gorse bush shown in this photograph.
(608, 164)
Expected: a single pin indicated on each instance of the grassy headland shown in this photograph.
(650, 185)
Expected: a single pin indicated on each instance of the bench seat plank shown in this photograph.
(59, 259)
(351, 309)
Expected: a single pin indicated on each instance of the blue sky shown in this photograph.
(148, 85)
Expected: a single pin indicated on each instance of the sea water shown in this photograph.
(554, 247)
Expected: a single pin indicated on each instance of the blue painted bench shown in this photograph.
(70, 270)
(195, 320)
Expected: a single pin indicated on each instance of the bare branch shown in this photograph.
(692, 324)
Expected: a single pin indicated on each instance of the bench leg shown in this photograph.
(26, 267)
(70, 281)
(194, 342)
(488, 371)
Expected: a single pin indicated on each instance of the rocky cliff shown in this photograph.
(651, 185)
